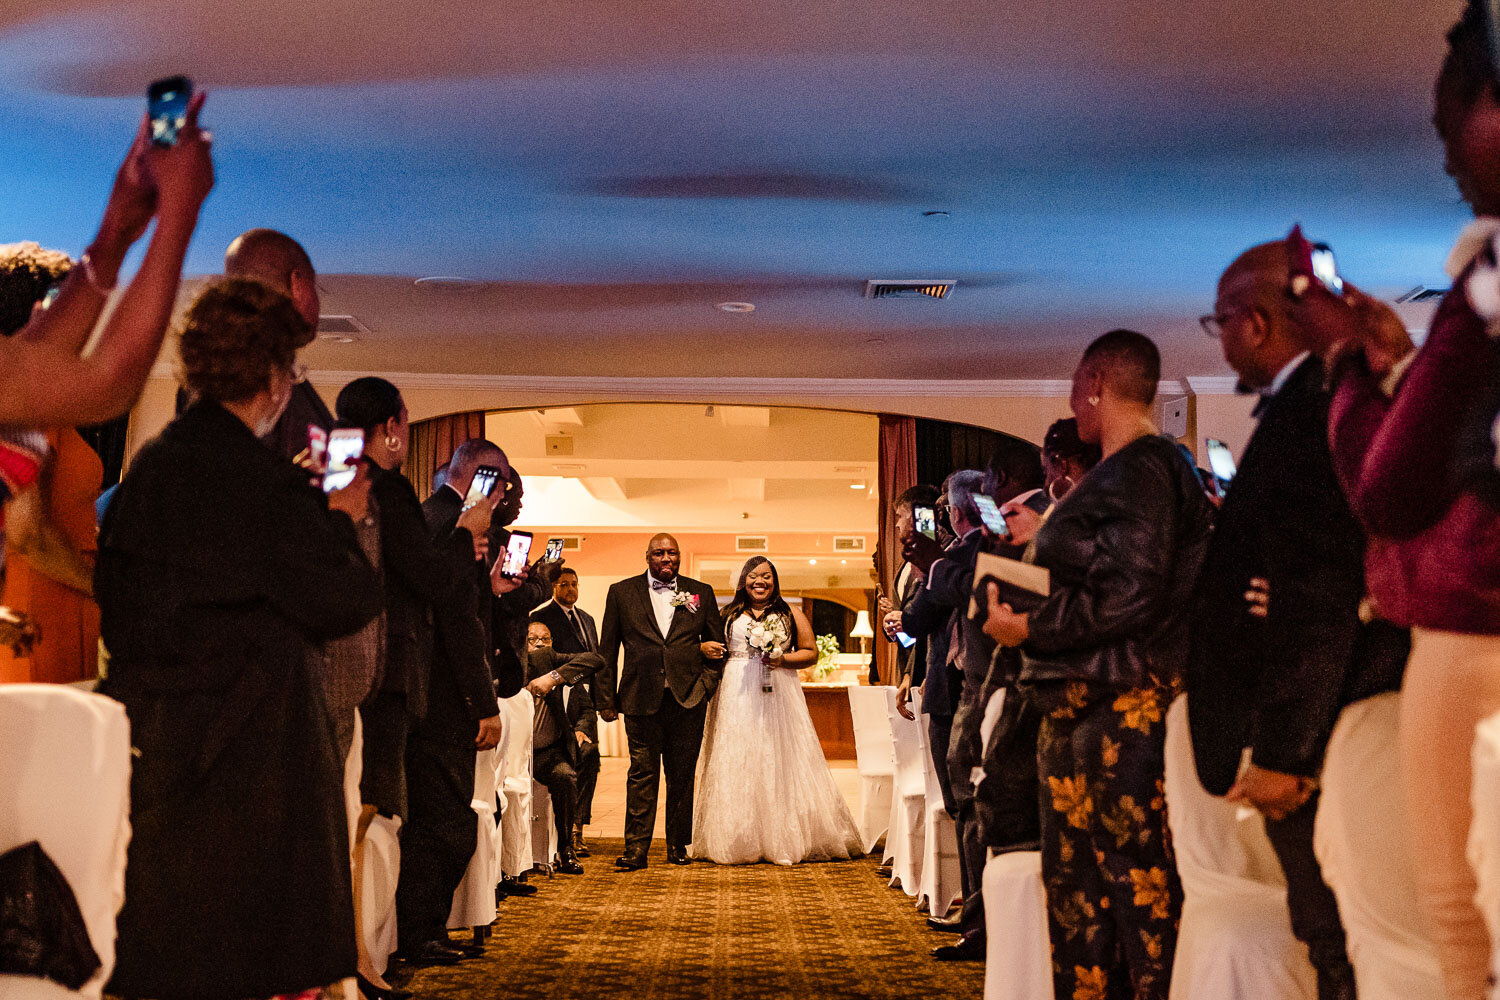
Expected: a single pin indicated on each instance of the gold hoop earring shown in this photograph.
(1093, 400)
(391, 444)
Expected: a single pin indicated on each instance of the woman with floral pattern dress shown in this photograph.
(1102, 654)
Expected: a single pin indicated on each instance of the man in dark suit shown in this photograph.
(564, 718)
(673, 638)
(438, 838)
(1274, 678)
(573, 631)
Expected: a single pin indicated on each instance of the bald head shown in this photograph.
(470, 456)
(1260, 335)
(274, 258)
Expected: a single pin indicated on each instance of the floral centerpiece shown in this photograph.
(828, 648)
(768, 637)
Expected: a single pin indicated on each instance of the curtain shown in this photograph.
(433, 442)
(898, 472)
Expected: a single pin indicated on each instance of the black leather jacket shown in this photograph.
(1124, 548)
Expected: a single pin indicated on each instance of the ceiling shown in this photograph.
(608, 172)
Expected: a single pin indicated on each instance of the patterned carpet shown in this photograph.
(706, 932)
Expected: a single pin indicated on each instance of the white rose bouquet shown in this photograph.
(770, 639)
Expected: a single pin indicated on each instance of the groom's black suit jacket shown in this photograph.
(1276, 684)
(654, 662)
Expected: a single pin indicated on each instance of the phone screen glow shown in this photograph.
(516, 551)
(344, 449)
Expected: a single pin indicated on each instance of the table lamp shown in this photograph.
(862, 630)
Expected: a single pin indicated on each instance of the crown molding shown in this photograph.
(1213, 385)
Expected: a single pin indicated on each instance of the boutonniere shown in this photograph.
(682, 599)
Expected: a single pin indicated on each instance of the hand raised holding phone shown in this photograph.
(353, 499)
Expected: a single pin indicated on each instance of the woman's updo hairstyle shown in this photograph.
(235, 336)
(367, 403)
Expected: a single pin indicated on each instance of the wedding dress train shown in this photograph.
(764, 791)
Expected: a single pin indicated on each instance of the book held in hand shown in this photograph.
(1022, 585)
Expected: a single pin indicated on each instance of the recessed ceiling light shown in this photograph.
(937, 214)
(858, 485)
(737, 307)
(446, 281)
(812, 562)
(337, 338)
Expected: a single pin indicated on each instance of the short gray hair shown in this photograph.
(961, 487)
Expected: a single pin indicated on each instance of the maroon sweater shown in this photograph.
(1434, 546)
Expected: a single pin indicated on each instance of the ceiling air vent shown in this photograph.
(341, 324)
(752, 543)
(848, 543)
(877, 288)
(1422, 294)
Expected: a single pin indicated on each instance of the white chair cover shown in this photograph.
(378, 893)
(907, 825)
(1363, 843)
(612, 739)
(942, 882)
(543, 829)
(1484, 834)
(1018, 954)
(515, 769)
(875, 754)
(474, 899)
(1235, 941)
(65, 782)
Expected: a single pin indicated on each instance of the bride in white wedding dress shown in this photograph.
(764, 791)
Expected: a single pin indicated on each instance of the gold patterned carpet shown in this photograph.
(706, 932)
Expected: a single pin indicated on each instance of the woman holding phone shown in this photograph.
(220, 572)
(1101, 656)
(418, 575)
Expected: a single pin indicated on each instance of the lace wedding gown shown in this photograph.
(763, 789)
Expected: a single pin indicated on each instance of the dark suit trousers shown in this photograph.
(1315, 913)
(588, 779)
(552, 768)
(438, 839)
(965, 752)
(667, 740)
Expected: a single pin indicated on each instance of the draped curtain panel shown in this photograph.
(433, 442)
(898, 472)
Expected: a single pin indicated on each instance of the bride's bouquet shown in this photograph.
(768, 637)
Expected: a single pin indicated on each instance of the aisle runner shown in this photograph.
(706, 932)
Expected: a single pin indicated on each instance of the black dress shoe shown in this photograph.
(431, 953)
(580, 849)
(677, 855)
(947, 925)
(970, 948)
(567, 864)
(515, 887)
(372, 992)
(631, 861)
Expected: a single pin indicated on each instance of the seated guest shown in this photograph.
(220, 568)
(1101, 657)
(573, 631)
(556, 680)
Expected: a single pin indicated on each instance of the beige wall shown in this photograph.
(1026, 413)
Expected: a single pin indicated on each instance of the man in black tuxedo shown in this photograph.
(673, 639)
(564, 717)
(572, 630)
(1273, 678)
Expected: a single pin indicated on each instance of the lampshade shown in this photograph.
(861, 629)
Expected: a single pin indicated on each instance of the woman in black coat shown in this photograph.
(219, 567)
(1101, 657)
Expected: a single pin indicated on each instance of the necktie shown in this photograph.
(583, 640)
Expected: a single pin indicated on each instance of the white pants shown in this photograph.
(1364, 844)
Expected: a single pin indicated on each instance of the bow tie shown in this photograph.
(658, 585)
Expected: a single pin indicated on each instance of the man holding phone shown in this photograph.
(1275, 682)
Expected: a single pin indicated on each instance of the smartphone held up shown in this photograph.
(517, 551)
(166, 105)
(345, 446)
